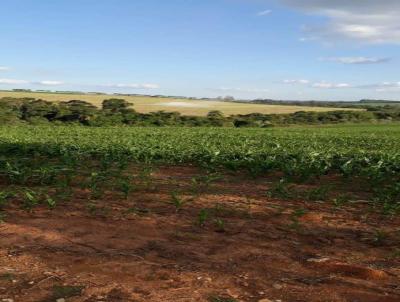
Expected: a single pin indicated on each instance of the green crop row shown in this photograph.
(46, 155)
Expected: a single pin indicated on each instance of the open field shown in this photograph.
(185, 107)
(200, 214)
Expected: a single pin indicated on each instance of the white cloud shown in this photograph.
(368, 21)
(4, 68)
(301, 81)
(383, 87)
(135, 86)
(49, 83)
(356, 60)
(24, 82)
(264, 12)
(13, 82)
(238, 89)
(328, 85)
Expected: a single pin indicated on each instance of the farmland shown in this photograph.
(200, 214)
(145, 104)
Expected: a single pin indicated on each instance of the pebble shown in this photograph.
(60, 300)
(318, 260)
(264, 300)
(7, 300)
(277, 286)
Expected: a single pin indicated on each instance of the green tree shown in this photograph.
(116, 105)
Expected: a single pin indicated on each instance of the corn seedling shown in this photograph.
(202, 218)
(126, 186)
(295, 216)
(177, 201)
(31, 199)
(318, 194)
(220, 225)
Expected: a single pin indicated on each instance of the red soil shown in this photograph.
(142, 249)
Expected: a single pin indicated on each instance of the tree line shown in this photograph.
(115, 112)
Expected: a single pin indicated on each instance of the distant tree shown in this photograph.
(228, 98)
(216, 118)
(38, 109)
(76, 110)
(116, 105)
(215, 114)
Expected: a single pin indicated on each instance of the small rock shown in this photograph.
(32, 282)
(7, 300)
(60, 300)
(264, 300)
(318, 260)
(277, 286)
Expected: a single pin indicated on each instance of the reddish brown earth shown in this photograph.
(142, 249)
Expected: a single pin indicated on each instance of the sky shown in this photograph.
(280, 49)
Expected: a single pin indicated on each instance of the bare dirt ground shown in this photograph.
(250, 247)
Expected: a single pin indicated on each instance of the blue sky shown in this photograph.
(281, 49)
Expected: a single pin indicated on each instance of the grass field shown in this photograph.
(185, 106)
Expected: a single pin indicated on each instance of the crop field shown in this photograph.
(144, 104)
(200, 214)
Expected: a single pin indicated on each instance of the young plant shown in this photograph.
(50, 202)
(280, 190)
(145, 176)
(203, 182)
(295, 216)
(4, 197)
(220, 225)
(2, 216)
(126, 186)
(379, 238)
(341, 200)
(95, 185)
(177, 201)
(318, 194)
(31, 199)
(202, 218)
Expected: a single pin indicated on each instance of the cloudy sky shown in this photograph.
(282, 49)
